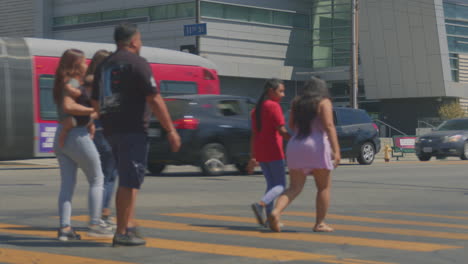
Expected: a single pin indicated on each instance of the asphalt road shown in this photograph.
(398, 212)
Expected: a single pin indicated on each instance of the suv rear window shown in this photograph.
(178, 108)
(351, 117)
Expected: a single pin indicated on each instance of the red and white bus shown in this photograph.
(27, 67)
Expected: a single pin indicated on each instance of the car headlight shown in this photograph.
(454, 138)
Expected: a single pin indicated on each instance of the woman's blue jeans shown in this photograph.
(109, 167)
(79, 151)
(275, 176)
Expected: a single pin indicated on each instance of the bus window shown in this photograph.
(47, 105)
(168, 88)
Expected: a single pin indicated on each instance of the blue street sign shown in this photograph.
(195, 29)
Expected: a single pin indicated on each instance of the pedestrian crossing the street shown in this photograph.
(203, 234)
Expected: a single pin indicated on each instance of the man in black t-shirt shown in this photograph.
(125, 93)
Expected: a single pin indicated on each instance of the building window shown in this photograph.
(236, 13)
(261, 16)
(456, 11)
(254, 15)
(117, 14)
(331, 33)
(161, 12)
(89, 18)
(137, 12)
(456, 24)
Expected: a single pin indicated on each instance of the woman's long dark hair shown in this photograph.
(98, 57)
(305, 106)
(269, 84)
(69, 66)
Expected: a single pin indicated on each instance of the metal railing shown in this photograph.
(387, 132)
(424, 124)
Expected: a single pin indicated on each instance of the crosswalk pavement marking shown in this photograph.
(186, 246)
(421, 214)
(379, 220)
(318, 238)
(398, 231)
(15, 256)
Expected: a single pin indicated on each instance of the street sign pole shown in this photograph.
(197, 16)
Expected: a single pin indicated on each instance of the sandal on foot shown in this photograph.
(323, 228)
(274, 223)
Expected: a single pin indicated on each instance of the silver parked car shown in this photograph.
(448, 139)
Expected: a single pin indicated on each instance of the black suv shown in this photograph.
(357, 134)
(214, 130)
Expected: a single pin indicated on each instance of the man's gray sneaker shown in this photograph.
(127, 240)
(259, 214)
(101, 230)
(135, 231)
(68, 235)
(109, 220)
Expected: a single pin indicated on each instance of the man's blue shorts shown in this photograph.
(130, 153)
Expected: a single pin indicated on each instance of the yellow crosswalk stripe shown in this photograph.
(318, 238)
(15, 256)
(186, 246)
(383, 230)
(421, 214)
(379, 220)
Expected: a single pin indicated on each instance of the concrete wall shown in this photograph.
(401, 49)
(17, 18)
(256, 51)
(250, 50)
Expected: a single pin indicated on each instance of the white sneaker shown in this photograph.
(101, 230)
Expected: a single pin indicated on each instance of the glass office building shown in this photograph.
(456, 24)
(331, 33)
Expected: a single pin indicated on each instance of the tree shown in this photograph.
(451, 110)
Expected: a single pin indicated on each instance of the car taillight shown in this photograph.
(186, 123)
(375, 126)
(207, 75)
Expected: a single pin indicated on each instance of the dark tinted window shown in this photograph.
(352, 117)
(177, 88)
(178, 108)
(453, 125)
(47, 106)
(230, 108)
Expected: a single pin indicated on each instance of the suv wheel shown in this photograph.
(367, 154)
(213, 159)
(424, 157)
(464, 155)
(156, 168)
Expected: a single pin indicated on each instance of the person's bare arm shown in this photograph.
(70, 106)
(159, 109)
(95, 105)
(284, 132)
(252, 161)
(326, 115)
(72, 91)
